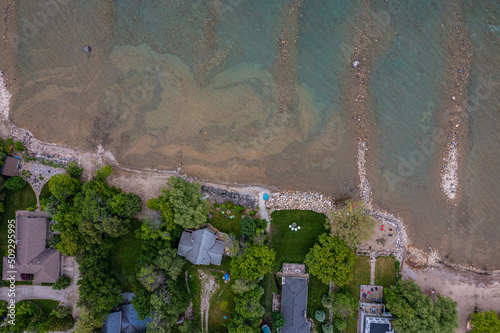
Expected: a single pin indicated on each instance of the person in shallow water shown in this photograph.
(87, 49)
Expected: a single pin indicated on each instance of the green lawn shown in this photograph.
(361, 272)
(17, 200)
(221, 304)
(46, 305)
(316, 291)
(385, 271)
(225, 224)
(124, 256)
(267, 299)
(45, 193)
(292, 246)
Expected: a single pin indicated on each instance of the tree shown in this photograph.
(485, 322)
(342, 303)
(247, 226)
(15, 183)
(353, 223)
(331, 260)
(327, 327)
(62, 283)
(103, 173)
(416, 312)
(62, 311)
(170, 262)
(242, 286)
(184, 202)
(73, 170)
(320, 315)
(63, 187)
(115, 227)
(247, 312)
(125, 205)
(255, 262)
(278, 320)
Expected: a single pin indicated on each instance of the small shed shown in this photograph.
(10, 167)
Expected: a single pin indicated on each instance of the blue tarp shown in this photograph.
(266, 196)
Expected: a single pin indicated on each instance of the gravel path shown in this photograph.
(208, 288)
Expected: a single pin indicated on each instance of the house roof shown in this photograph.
(10, 166)
(201, 247)
(32, 256)
(131, 322)
(125, 321)
(294, 305)
(113, 323)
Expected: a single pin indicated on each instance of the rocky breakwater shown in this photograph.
(222, 195)
(314, 201)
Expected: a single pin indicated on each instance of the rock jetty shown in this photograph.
(314, 201)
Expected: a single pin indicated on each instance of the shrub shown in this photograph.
(19, 145)
(327, 327)
(239, 209)
(278, 319)
(61, 311)
(62, 283)
(320, 315)
(252, 213)
(73, 170)
(15, 183)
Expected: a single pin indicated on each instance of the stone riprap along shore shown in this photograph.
(222, 195)
(314, 201)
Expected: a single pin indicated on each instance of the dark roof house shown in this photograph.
(33, 259)
(201, 247)
(10, 166)
(294, 305)
(125, 321)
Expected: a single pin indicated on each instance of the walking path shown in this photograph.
(373, 260)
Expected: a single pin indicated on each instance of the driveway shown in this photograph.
(68, 296)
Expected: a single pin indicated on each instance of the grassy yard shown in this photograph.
(385, 271)
(361, 271)
(17, 200)
(125, 255)
(45, 193)
(267, 299)
(221, 304)
(225, 224)
(315, 292)
(292, 246)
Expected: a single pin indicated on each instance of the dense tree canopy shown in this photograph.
(247, 311)
(485, 322)
(255, 262)
(181, 204)
(247, 226)
(353, 223)
(88, 226)
(15, 183)
(417, 312)
(331, 260)
(343, 305)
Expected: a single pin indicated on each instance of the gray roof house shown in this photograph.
(201, 247)
(125, 320)
(294, 305)
(33, 259)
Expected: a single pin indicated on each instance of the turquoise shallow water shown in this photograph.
(199, 85)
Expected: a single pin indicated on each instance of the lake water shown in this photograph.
(265, 91)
